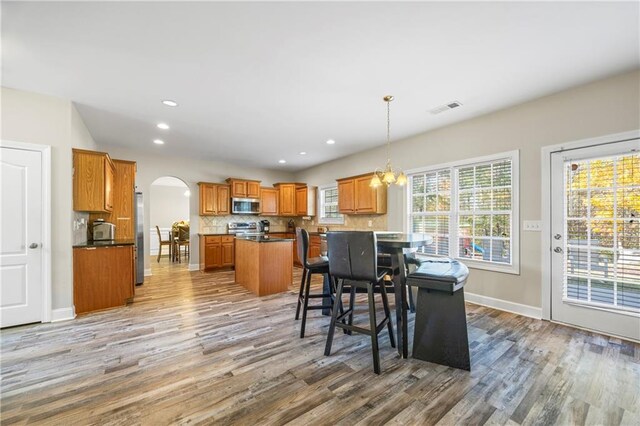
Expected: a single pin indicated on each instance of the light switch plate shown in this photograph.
(532, 225)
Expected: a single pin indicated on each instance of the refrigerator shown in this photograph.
(139, 227)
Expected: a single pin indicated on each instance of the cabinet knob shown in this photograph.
(33, 245)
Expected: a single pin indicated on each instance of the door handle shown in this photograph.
(558, 250)
(33, 245)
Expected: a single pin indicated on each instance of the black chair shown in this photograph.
(353, 256)
(440, 333)
(314, 265)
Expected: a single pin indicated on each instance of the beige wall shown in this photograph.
(191, 171)
(168, 204)
(604, 107)
(45, 120)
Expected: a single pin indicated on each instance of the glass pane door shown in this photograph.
(596, 238)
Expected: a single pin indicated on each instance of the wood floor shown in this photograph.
(195, 348)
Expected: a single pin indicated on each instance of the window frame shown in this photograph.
(514, 156)
(322, 220)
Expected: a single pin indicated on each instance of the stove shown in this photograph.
(244, 228)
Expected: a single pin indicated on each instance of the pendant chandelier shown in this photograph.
(388, 175)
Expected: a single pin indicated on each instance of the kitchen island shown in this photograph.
(264, 265)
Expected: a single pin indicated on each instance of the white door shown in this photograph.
(21, 277)
(595, 238)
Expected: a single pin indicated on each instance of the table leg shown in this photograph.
(400, 286)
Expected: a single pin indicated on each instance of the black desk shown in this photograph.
(394, 244)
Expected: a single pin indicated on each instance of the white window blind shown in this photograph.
(468, 208)
(431, 208)
(602, 249)
(329, 205)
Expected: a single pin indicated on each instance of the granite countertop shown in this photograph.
(263, 238)
(210, 234)
(107, 243)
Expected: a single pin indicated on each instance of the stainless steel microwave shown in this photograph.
(245, 206)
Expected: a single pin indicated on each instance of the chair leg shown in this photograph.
(159, 252)
(305, 307)
(332, 324)
(352, 299)
(385, 305)
(374, 335)
(304, 273)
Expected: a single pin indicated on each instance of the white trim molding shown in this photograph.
(45, 151)
(194, 267)
(147, 272)
(504, 305)
(545, 204)
(63, 314)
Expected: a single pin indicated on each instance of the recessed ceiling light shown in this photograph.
(158, 142)
(282, 161)
(169, 102)
(330, 142)
(163, 126)
(303, 153)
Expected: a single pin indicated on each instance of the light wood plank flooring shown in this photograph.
(196, 348)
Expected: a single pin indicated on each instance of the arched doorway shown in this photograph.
(169, 204)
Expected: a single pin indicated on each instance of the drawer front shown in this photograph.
(227, 239)
(212, 239)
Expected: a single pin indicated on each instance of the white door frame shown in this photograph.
(545, 204)
(45, 152)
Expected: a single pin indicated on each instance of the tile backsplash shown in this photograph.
(80, 226)
(218, 224)
(351, 223)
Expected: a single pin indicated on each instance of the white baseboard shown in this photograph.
(63, 314)
(504, 305)
(147, 272)
(194, 267)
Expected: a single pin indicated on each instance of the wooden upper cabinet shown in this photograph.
(242, 188)
(268, 201)
(207, 199)
(214, 199)
(224, 199)
(346, 196)
(355, 196)
(253, 189)
(301, 201)
(93, 181)
(122, 191)
(286, 198)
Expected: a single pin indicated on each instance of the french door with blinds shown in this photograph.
(595, 230)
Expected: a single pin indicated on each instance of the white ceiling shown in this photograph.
(258, 82)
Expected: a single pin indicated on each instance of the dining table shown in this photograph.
(394, 244)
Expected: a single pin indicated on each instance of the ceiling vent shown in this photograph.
(445, 107)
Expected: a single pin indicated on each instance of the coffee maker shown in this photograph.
(264, 226)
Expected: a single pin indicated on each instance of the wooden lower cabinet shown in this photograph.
(314, 245)
(216, 251)
(103, 277)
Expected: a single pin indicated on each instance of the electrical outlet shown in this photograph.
(370, 223)
(532, 225)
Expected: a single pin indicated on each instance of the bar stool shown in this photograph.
(353, 256)
(314, 265)
(440, 333)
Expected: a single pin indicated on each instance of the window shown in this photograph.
(470, 209)
(329, 205)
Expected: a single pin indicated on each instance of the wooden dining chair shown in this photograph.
(163, 243)
(181, 240)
